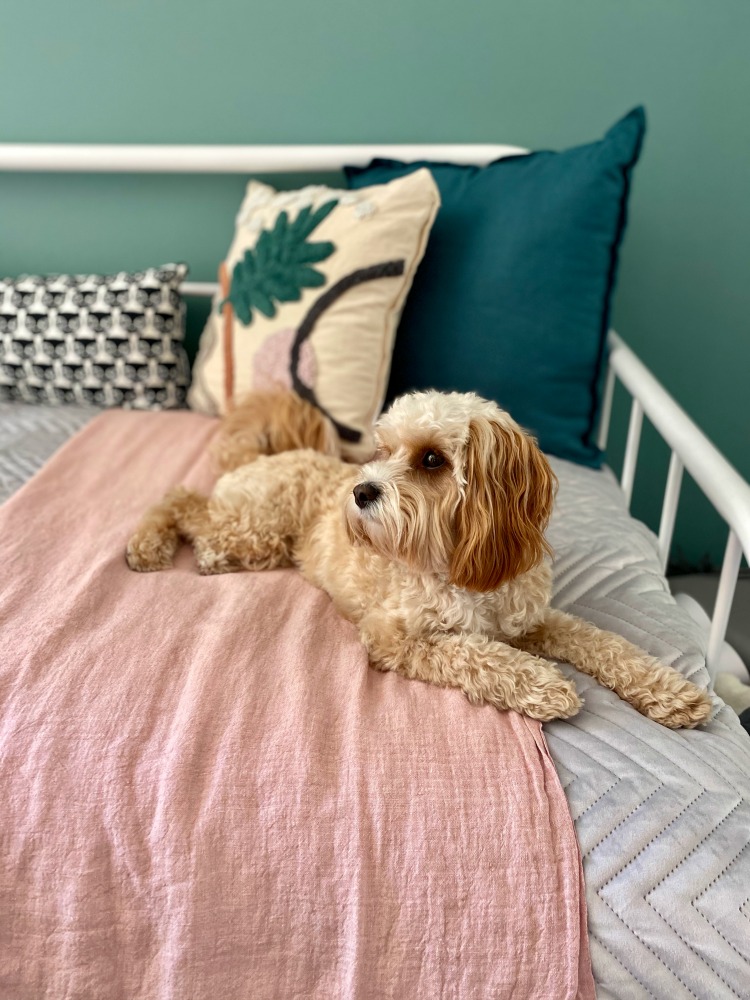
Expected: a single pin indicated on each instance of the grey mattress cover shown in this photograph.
(663, 818)
(29, 435)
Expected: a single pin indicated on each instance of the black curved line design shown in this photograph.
(388, 269)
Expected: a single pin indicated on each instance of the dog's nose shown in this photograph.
(366, 493)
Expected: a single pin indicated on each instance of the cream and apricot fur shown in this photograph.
(435, 549)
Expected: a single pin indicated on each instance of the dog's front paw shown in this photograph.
(149, 552)
(671, 701)
(557, 699)
(541, 692)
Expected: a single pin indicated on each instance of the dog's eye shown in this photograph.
(432, 460)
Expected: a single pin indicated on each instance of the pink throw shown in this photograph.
(205, 793)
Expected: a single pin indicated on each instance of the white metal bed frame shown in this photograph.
(726, 490)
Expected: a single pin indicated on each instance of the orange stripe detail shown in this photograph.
(228, 338)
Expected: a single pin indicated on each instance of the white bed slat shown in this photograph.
(200, 289)
(720, 482)
(722, 485)
(669, 508)
(604, 420)
(631, 450)
(723, 606)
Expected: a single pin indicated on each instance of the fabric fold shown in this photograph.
(206, 791)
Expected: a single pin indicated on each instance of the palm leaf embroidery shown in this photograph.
(280, 265)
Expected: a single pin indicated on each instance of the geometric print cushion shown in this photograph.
(310, 296)
(105, 341)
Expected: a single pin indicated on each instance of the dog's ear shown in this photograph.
(508, 499)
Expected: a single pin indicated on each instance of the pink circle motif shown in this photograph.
(272, 362)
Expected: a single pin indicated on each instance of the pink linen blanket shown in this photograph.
(205, 792)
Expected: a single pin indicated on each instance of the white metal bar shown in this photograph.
(202, 289)
(631, 450)
(232, 159)
(724, 597)
(609, 392)
(719, 481)
(669, 507)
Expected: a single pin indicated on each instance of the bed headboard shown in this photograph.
(231, 159)
(173, 159)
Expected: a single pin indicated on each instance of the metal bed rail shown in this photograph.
(721, 484)
(128, 159)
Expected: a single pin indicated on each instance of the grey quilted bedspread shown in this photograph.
(30, 434)
(663, 818)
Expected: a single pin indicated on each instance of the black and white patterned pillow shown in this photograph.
(107, 341)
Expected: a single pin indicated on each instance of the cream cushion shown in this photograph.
(312, 290)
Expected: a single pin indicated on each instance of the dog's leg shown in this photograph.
(485, 670)
(229, 545)
(222, 540)
(656, 691)
(181, 514)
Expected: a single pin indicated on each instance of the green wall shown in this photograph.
(539, 73)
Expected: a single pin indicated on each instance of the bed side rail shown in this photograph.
(719, 481)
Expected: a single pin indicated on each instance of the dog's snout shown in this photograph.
(366, 493)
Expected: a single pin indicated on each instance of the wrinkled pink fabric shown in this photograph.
(205, 792)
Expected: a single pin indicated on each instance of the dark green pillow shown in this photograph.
(512, 298)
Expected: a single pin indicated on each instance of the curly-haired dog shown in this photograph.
(435, 549)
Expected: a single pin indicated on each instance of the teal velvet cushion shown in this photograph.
(512, 298)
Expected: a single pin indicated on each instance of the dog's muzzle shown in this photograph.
(366, 494)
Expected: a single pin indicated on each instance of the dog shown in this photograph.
(435, 549)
